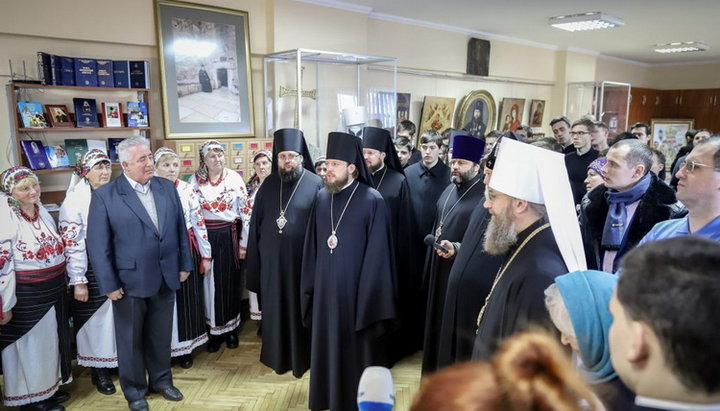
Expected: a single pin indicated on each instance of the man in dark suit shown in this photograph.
(664, 336)
(138, 247)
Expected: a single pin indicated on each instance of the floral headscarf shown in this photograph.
(202, 174)
(12, 176)
(160, 152)
(88, 161)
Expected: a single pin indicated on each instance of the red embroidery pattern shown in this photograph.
(69, 232)
(221, 203)
(49, 247)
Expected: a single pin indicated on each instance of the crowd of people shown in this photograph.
(483, 251)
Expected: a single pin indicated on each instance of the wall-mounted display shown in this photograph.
(437, 114)
(668, 136)
(476, 114)
(205, 70)
(511, 114)
(537, 111)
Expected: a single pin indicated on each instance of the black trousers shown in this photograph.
(143, 330)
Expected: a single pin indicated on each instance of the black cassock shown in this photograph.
(393, 187)
(469, 282)
(349, 295)
(273, 270)
(518, 301)
(455, 216)
(426, 185)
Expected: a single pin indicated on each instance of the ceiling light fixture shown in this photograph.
(593, 20)
(681, 47)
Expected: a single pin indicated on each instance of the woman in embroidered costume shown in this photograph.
(91, 311)
(34, 334)
(224, 202)
(262, 164)
(189, 319)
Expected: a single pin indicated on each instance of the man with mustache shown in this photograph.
(348, 285)
(533, 225)
(275, 245)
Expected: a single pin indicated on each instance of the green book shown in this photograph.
(76, 148)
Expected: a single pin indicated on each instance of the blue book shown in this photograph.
(35, 153)
(105, 73)
(67, 71)
(112, 149)
(44, 72)
(86, 72)
(86, 112)
(55, 72)
(57, 156)
(121, 73)
(139, 74)
(137, 114)
(32, 114)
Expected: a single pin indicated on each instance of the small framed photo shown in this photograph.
(668, 135)
(58, 115)
(112, 115)
(477, 113)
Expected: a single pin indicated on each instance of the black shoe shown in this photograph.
(231, 339)
(139, 405)
(169, 393)
(60, 396)
(101, 380)
(186, 361)
(214, 343)
(47, 405)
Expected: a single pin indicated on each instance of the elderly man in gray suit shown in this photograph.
(138, 247)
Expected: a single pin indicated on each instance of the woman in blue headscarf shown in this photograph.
(578, 306)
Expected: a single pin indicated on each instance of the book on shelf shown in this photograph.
(86, 72)
(85, 112)
(137, 114)
(112, 149)
(55, 71)
(57, 156)
(111, 114)
(44, 72)
(99, 144)
(32, 115)
(35, 154)
(121, 73)
(105, 73)
(75, 148)
(67, 71)
(139, 74)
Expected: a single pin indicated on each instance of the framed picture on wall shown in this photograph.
(476, 114)
(511, 114)
(537, 111)
(403, 107)
(437, 114)
(205, 70)
(668, 136)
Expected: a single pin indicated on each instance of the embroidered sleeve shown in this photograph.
(198, 224)
(244, 210)
(72, 230)
(7, 274)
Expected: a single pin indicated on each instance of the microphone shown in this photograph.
(376, 391)
(432, 242)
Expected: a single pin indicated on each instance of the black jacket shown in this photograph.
(656, 205)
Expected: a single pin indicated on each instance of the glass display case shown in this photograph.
(607, 101)
(338, 92)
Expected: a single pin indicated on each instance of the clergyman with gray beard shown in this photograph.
(519, 200)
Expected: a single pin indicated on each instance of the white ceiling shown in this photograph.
(647, 22)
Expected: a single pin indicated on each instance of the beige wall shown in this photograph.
(128, 31)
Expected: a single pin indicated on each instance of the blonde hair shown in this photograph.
(559, 314)
(26, 182)
(167, 157)
(529, 372)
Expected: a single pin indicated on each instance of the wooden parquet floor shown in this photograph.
(232, 380)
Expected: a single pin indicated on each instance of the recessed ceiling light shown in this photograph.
(681, 47)
(593, 20)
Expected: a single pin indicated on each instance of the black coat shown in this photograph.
(657, 204)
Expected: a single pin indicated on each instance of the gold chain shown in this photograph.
(502, 271)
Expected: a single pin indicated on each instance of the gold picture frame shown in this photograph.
(437, 114)
(204, 70)
(465, 118)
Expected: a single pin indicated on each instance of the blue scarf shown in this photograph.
(586, 295)
(616, 221)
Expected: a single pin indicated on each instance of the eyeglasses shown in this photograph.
(690, 166)
(287, 157)
(579, 133)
